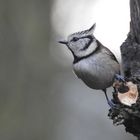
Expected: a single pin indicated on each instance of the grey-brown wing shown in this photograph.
(108, 52)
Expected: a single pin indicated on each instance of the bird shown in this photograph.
(93, 63)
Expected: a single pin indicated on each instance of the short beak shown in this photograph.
(63, 42)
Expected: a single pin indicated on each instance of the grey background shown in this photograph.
(40, 98)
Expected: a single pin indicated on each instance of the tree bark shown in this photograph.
(130, 52)
(130, 49)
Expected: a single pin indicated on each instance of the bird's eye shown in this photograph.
(75, 39)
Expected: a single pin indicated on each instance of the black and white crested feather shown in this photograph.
(83, 33)
(79, 43)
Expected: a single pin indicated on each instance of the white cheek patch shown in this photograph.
(88, 51)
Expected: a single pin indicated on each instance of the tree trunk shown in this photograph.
(130, 51)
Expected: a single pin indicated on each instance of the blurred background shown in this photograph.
(40, 97)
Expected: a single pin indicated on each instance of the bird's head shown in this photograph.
(79, 43)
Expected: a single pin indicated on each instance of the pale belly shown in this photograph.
(96, 75)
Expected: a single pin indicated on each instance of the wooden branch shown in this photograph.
(129, 116)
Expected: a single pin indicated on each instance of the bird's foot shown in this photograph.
(111, 104)
(119, 78)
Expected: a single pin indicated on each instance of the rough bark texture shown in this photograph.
(130, 51)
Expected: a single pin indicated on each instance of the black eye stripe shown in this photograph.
(90, 37)
(75, 39)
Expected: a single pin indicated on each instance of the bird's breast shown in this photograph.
(96, 72)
